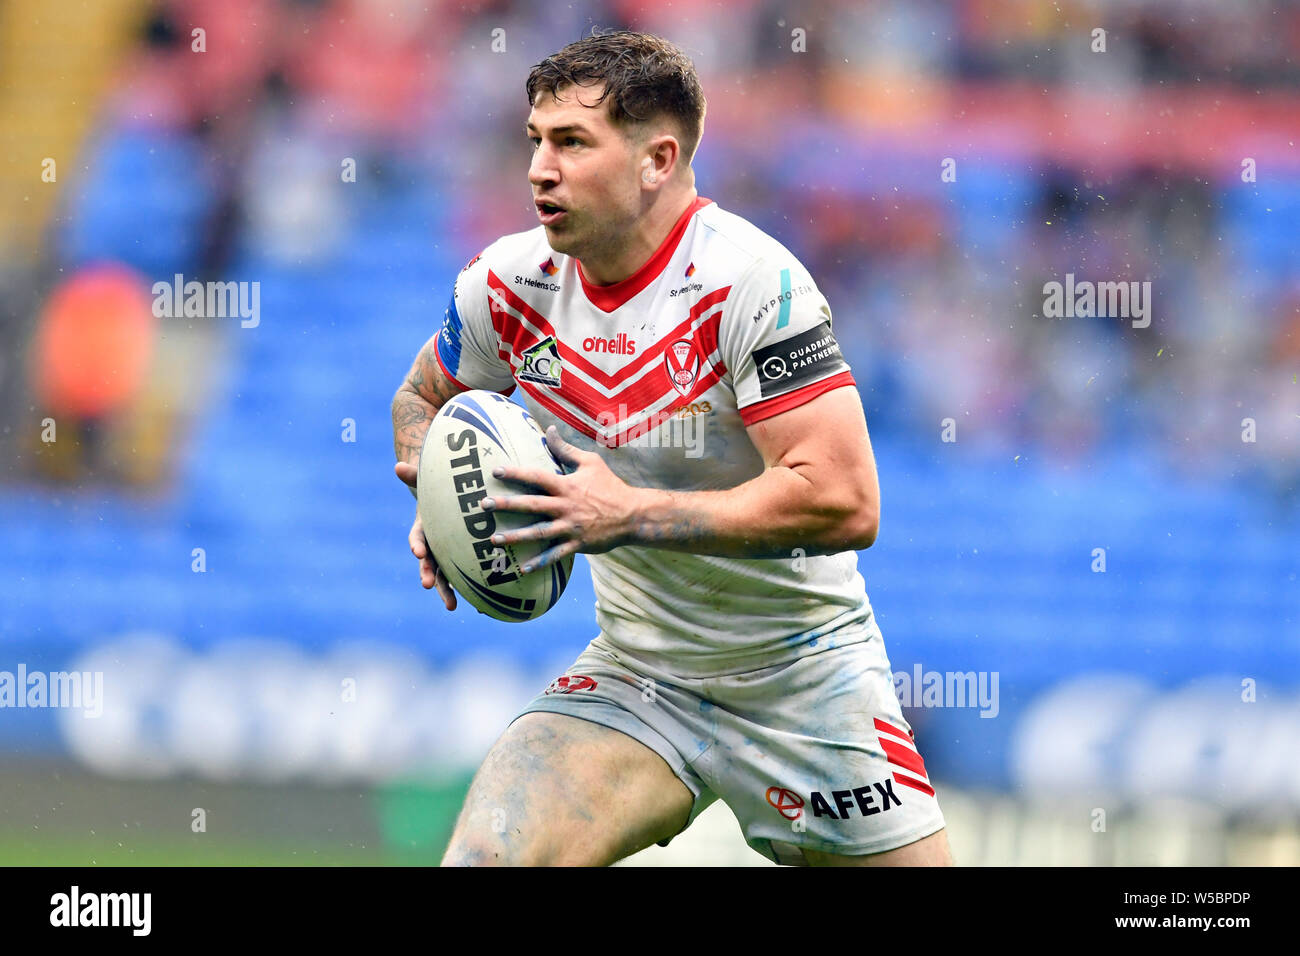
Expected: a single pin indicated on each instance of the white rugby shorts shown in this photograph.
(812, 753)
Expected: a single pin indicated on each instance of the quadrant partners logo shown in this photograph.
(83, 690)
(798, 360)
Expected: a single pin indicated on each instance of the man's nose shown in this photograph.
(542, 170)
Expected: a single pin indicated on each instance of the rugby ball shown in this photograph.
(471, 435)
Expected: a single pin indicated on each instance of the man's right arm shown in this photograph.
(464, 354)
(425, 390)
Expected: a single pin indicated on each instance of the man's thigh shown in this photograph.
(558, 790)
(927, 851)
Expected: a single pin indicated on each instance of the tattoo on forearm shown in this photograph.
(685, 529)
(411, 417)
(427, 378)
(424, 392)
(693, 529)
(689, 530)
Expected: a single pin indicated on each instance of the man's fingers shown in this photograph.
(407, 472)
(419, 546)
(445, 591)
(529, 504)
(542, 531)
(550, 556)
(542, 480)
(431, 575)
(560, 449)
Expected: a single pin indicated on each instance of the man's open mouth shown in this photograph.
(549, 213)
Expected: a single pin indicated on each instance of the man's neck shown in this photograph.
(642, 243)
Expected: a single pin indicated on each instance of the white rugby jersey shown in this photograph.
(660, 374)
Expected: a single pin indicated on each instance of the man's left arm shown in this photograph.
(819, 492)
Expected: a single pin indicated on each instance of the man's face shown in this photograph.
(584, 165)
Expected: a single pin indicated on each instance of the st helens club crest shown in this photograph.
(682, 360)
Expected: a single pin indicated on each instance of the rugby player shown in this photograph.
(737, 656)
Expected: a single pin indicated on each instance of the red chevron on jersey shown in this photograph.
(636, 389)
(591, 420)
(593, 400)
(552, 402)
(512, 331)
(601, 410)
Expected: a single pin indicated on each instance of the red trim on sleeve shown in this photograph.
(607, 298)
(461, 385)
(800, 396)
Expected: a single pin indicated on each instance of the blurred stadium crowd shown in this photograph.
(936, 286)
(350, 156)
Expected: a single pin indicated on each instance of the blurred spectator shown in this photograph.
(94, 342)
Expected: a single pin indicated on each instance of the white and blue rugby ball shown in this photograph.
(472, 434)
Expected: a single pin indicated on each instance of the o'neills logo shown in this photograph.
(619, 345)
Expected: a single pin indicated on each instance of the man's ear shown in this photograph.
(665, 152)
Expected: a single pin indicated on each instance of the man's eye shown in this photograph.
(568, 141)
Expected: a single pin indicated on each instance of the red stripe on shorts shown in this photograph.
(914, 784)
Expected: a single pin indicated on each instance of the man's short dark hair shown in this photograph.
(645, 77)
